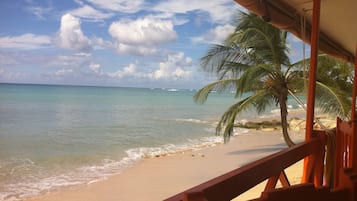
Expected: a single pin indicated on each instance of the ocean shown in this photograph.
(53, 137)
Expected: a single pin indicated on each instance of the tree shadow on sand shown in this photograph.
(260, 149)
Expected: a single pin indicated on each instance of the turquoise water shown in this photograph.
(57, 136)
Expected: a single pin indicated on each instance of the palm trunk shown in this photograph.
(284, 121)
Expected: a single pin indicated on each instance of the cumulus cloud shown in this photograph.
(144, 31)
(122, 48)
(216, 35)
(126, 72)
(100, 43)
(26, 41)
(141, 36)
(172, 68)
(94, 67)
(125, 6)
(70, 35)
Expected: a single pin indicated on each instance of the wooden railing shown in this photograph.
(271, 168)
(345, 146)
(344, 143)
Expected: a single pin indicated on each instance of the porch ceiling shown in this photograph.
(338, 22)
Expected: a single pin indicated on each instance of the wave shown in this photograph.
(172, 90)
(197, 121)
(38, 180)
(275, 113)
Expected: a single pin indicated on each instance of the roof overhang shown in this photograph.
(338, 22)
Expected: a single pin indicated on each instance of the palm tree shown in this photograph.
(253, 60)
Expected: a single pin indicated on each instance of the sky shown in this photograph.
(129, 43)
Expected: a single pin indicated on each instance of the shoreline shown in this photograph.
(158, 178)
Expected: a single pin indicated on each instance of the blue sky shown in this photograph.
(137, 43)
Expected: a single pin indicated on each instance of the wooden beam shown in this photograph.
(312, 80)
(194, 196)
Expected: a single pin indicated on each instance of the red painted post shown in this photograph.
(354, 92)
(354, 119)
(312, 80)
(312, 70)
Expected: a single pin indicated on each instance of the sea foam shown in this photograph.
(41, 183)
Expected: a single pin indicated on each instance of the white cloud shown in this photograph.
(144, 31)
(141, 36)
(50, 60)
(172, 68)
(94, 67)
(11, 76)
(176, 19)
(70, 61)
(126, 72)
(83, 54)
(26, 41)
(125, 6)
(24, 58)
(296, 48)
(79, 2)
(100, 43)
(90, 13)
(39, 12)
(216, 35)
(8, 59)
(218, 10)
(64, 72)
(134, 50)
(70, 35)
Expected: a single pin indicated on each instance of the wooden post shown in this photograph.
(312, 80)
(312, 71)
(354, 119)
(354, 91)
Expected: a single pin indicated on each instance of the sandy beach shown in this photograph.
(158, 178)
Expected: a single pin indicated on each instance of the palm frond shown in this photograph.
(232, 69)
(251, 79)
(216, 57)
(219, 86)
(263, 41)
(332, 100)
(228, 118)
(263, 100)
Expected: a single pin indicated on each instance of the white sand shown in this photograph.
(159, 178)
